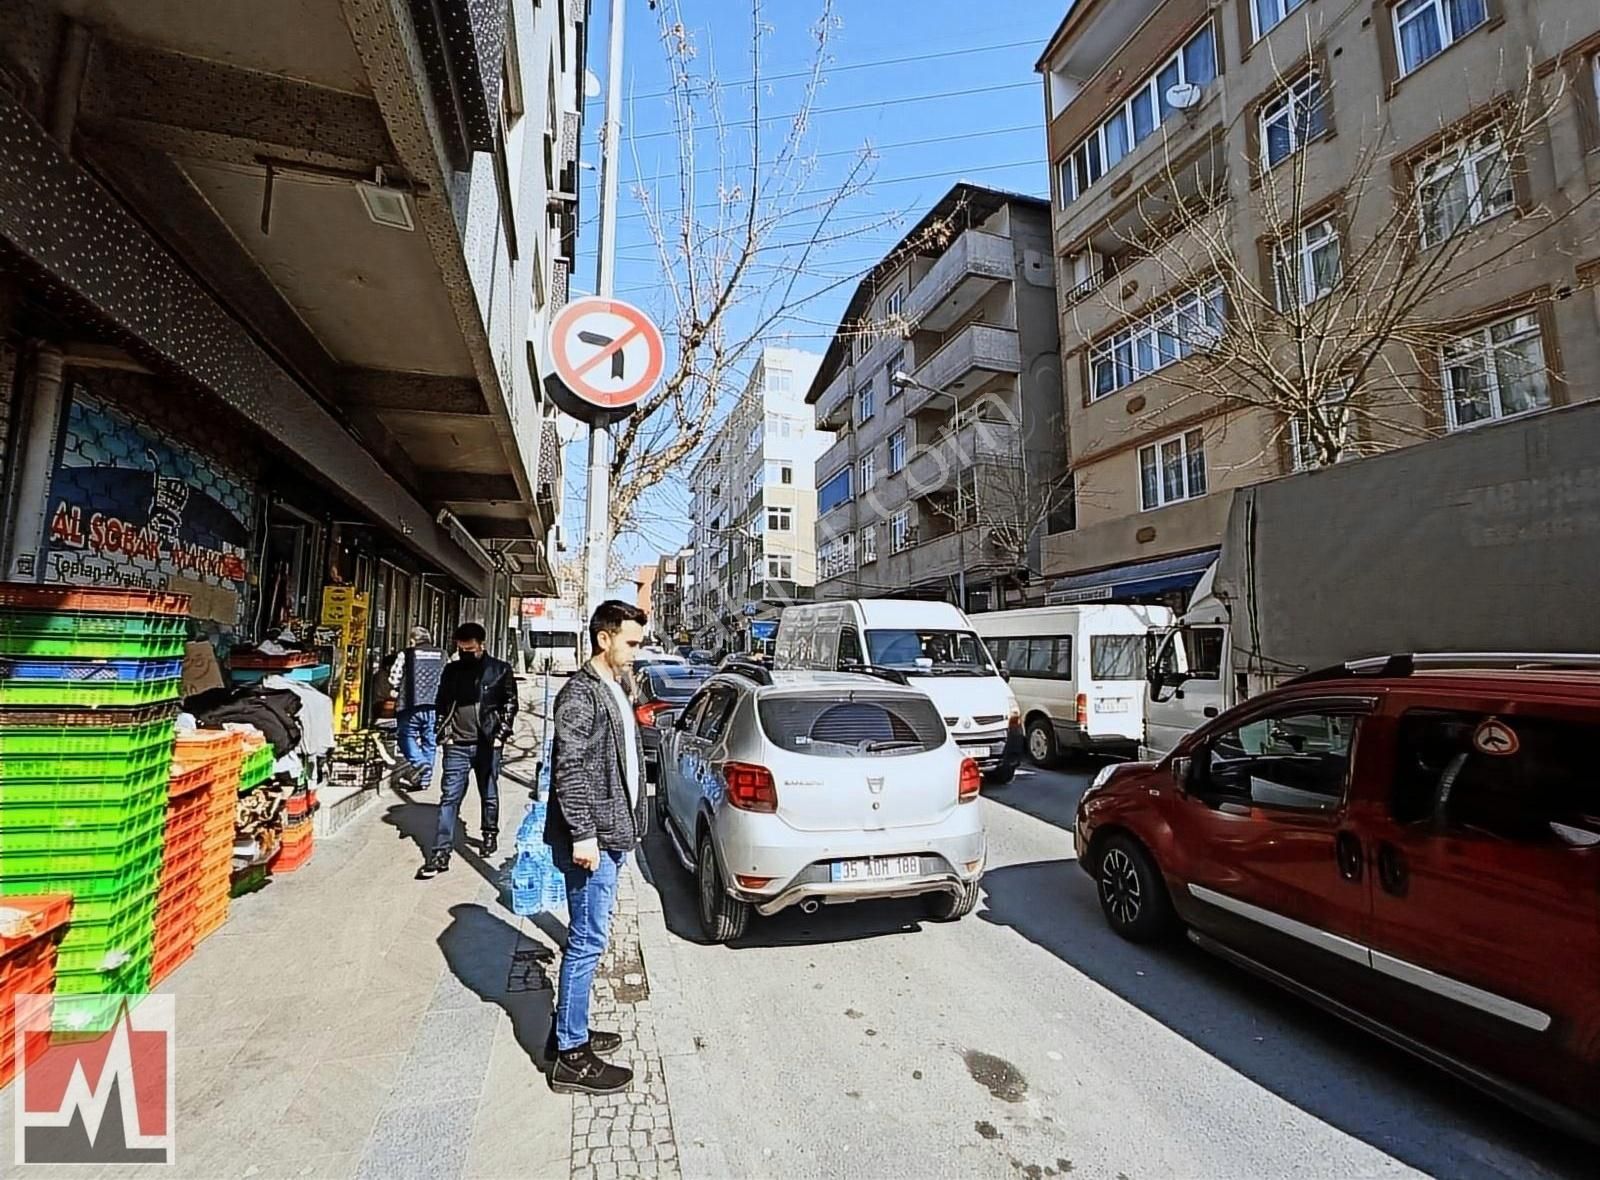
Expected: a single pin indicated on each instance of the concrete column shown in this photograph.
(42, 404)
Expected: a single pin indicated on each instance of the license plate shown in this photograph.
(1112, 705)
(877, 868)
(983, 751)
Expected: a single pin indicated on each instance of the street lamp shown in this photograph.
(900, 379)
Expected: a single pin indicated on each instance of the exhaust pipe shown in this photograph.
(810, 905)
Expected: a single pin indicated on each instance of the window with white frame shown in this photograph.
(837, 556)
(1172, 470)
(1494, 372)
(1165, 336)
(900, 536)
(897, 451)
(1306, 266)
(866, 403)
(1292, 118)
(780, 380)
(869, 544)
(753, 487)
(780, 568)
(895, 301)
(1462, 184)
(780, 520)
(1423, 29)
(1311, 440)
(869, 471)
(1266, 15)
(896, 364)
(752, 442)
(1137, 117)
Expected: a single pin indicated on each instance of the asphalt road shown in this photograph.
(1028, 1041)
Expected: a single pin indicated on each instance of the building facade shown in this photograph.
(944, 482)
(674, 577)
(1280, 171)
(273, 299)
(752, 512)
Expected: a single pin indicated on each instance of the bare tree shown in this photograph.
(1321, 306)
(740, 231)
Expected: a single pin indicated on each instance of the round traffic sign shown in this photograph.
(608, 354)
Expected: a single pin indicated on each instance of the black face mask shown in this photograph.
(470, 657)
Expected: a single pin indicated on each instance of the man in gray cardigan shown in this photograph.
(596, 817)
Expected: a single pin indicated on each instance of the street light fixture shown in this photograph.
(900, 379)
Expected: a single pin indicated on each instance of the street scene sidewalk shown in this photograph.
(349, 1021)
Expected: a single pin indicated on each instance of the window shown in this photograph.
(1116, 657)
(1172, 470)
(1196, 652)
(849, 647)
(1462, 184)
(865, 403)
(1495, 372)
(714, 719)
(780, 380)
(1292, 118)
(785, 473)
(1423, 29)
(1161, 338)
(1542, 793)
(781, 568)
(835, 490)
(1306, 266)
(837, 556)
(753, 487)
(780, 520)
(1306, 450)
(1295, 761)
(777, 471)
(862, 727)
(869, 471)
(900, 535)
(897, 451)
(1038, 657)
(1269, 13)
(895, 301)
(1137, 117)
(896, 363)
(869, 544)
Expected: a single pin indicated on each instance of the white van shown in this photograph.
(1078, 673)
(931, 644)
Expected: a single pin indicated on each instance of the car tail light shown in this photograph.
(1083, 708)
(971, 779)
(648, 712)
(752, 882)
(750, 788)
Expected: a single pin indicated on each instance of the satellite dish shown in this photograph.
(1183, 97)
(591, 84)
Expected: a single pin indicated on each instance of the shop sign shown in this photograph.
(607, 356)
(131, 508)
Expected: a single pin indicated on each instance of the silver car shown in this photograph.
(815, 788)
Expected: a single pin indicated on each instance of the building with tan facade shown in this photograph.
(1444, 153)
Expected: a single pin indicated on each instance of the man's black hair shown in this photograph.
(609, 617)
(471, 631)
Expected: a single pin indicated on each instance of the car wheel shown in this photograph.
(722, 918)
(1042, 742)
(951, 907)
(1133, 895)
(1000, 775)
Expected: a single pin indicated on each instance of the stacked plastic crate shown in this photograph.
(298, 811)
(30, 929)
(89, 684)
(177, 898)
(214, 757)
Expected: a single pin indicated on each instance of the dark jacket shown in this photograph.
(422, 674)
(588, 772)
(496, 691)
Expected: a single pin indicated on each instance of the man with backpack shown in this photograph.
(414, 679)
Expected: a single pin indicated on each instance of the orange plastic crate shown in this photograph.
(66, 600)
(292, 856)
(28, 940)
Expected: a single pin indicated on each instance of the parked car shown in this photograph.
(657, 659)
(933, 647)
(1078, 673)
(660, 691)
(1412, 842)
(701, 656)
(816, 788)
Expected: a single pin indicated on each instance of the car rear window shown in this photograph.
(677, 681)
(1116, 657)
(831, 727)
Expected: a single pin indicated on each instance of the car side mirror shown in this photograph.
(1005, 672)
(1182, 769)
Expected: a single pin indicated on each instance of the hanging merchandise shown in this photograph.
(344, 610)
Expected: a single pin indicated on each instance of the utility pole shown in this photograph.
(597, 542)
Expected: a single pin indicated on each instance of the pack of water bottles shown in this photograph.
(537, 886)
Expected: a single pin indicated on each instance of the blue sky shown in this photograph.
(943, 90)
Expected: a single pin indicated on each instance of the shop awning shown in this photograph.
(1132, 581)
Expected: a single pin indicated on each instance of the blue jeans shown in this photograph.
(418, 738)
(590, 899)
(483, 762)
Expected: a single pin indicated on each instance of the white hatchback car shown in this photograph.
(816, 788)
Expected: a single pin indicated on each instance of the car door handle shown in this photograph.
(1347, 851)
(1392, 872)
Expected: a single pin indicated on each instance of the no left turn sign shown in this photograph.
(607, 354)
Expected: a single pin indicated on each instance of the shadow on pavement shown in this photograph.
(490, 957)
(418, 822)
(1048, 795)
(1349, 1079)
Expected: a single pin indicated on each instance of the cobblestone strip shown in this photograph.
(629, 1134)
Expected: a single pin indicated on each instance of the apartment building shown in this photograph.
(753, 507)
(943, 483)
(674, 575)
(1255, 173)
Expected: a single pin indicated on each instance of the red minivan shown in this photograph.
(1413, 843)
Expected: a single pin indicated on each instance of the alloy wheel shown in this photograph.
(1119, 887)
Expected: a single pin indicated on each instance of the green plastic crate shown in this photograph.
(257, 768)
(154, 755)
(92, 910)
(73, 830)
(91, 1000)
(92, 875)
(147, 783)
(84, 694)
(92, 624)
(17, 642)
(81, 850)
(106, 734)
(108, 946)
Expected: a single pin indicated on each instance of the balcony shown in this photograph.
(835, 457)
(833, 407)
(972, 267)
(965, 364)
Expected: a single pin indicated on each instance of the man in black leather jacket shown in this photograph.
(475, 710)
